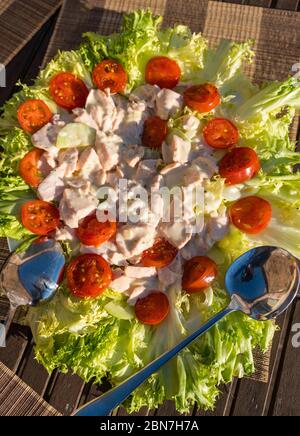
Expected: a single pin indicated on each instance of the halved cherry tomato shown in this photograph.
(88, 276)
(251, 214)
(40, 217)
(239, 165)
(153, 309)
(33, 115)
(68, 91)
(29, 169)
(199, 273)
(110, 74)
(155, 132)
(160, 255)
(202, 98)
(220, 133)
(163, 72)
(91, 232)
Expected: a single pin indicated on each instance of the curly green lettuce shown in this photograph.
(139, 40)
(84, 336)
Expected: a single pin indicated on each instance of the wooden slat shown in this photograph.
(26, 64)
(286, 399)
(32, 373)
(65, 393)
(16, 344)
(240, 2)
(253, 398)
(19, 21)
(261, 3)
(291, 5)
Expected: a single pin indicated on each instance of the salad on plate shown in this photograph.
(155, 162)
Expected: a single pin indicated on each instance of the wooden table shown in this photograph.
(281, 396)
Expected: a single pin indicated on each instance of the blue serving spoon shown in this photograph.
(262, 283)
(31, 277)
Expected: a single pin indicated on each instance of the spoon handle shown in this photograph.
(9, 318)
(109, 401)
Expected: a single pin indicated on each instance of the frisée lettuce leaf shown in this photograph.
(84, 336)
(139, 40)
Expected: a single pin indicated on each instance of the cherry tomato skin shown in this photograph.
(40, 217)
(29, 168)
(155, 132)
(199, 273)
(202, 98)
(163, 72)
(220, 133)
(153, 309)
(110, 74)
(91, 232)
(251, 214)
(88, 276)
(160, 255)
(239, 165)
(68, 91)
(33, 115)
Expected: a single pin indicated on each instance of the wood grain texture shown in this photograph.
(26, 64)
(16, 345)
(32, 373)
(19, 21)
(286, 398)
(252, 398)
(291, 5)
(261, 3)
(65, 393)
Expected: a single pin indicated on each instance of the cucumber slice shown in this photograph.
(119, 311)
(76, 135)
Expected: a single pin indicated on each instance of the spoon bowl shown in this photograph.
(31, 277)
(263, 282)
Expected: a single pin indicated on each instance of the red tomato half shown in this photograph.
(68, 91)
(160, 255)
(155, 132)
(91, 232)
(239, 165)
(28, 168)
(110, 74)
(220, 133)
(202, 98)
(88, 276)
(163, 72)
(153, 309)
(199, 273)
(33, 115)
(251, 214)
(40, 217)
